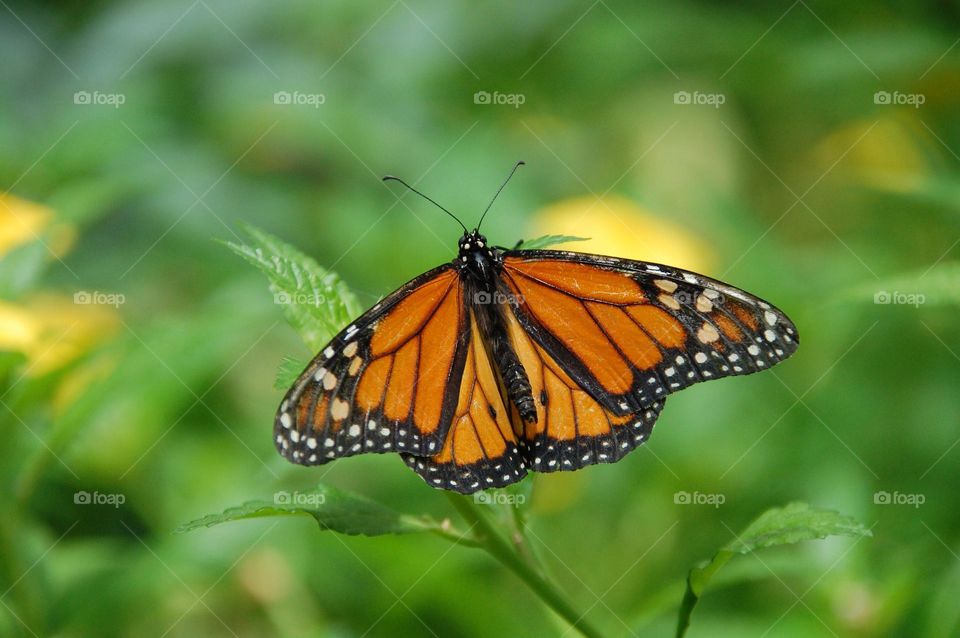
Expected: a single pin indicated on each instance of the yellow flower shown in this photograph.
(51, 331)
(22, 222)
(884, 153)
(618, 227)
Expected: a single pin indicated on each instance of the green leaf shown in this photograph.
(547, 240)
(332, 509)
(794, 523)
(937, 286)
(786, 525)
(290, 368)
(315, 301)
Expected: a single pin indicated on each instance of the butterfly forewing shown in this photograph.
(380, 385)
(632, 332)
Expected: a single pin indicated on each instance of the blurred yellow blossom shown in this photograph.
(884, 153)
(22, 222)
(618, 227)
(52, 330)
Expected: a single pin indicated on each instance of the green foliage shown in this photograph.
(170, 401)
(334, 510)
(315, 301)
(546, 241)
(786, 525)
(937, 285)
(290, 368)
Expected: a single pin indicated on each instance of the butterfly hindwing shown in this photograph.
(632, 332)
(482, 447)
(572, 429)
(382, 384)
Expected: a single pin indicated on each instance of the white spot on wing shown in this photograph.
(707, 333)
(665, 285)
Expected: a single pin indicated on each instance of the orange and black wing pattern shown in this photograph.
(482, 447)
(381, 385)
(488, 444)
(629, 333)
(567, 365)
(572, 429)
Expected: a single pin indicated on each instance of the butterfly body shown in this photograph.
(505, 361)
(480, 268)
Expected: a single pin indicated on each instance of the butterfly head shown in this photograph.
(478, 258)
(474, 245)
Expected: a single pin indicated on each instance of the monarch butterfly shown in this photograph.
(503, 362)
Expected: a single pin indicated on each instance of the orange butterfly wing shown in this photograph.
(629, 332)
(602, 340)
(381, 384)
(572, 429)
(489, 445)
(482, 448)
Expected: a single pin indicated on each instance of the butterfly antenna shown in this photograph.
(495, 195)
(388, 178)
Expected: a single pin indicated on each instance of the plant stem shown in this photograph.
(522, 541)
(496, 546)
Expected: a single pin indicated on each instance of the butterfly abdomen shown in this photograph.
(514, 378)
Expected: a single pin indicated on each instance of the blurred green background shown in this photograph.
(807, 152)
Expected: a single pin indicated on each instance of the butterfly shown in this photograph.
(507, 361)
